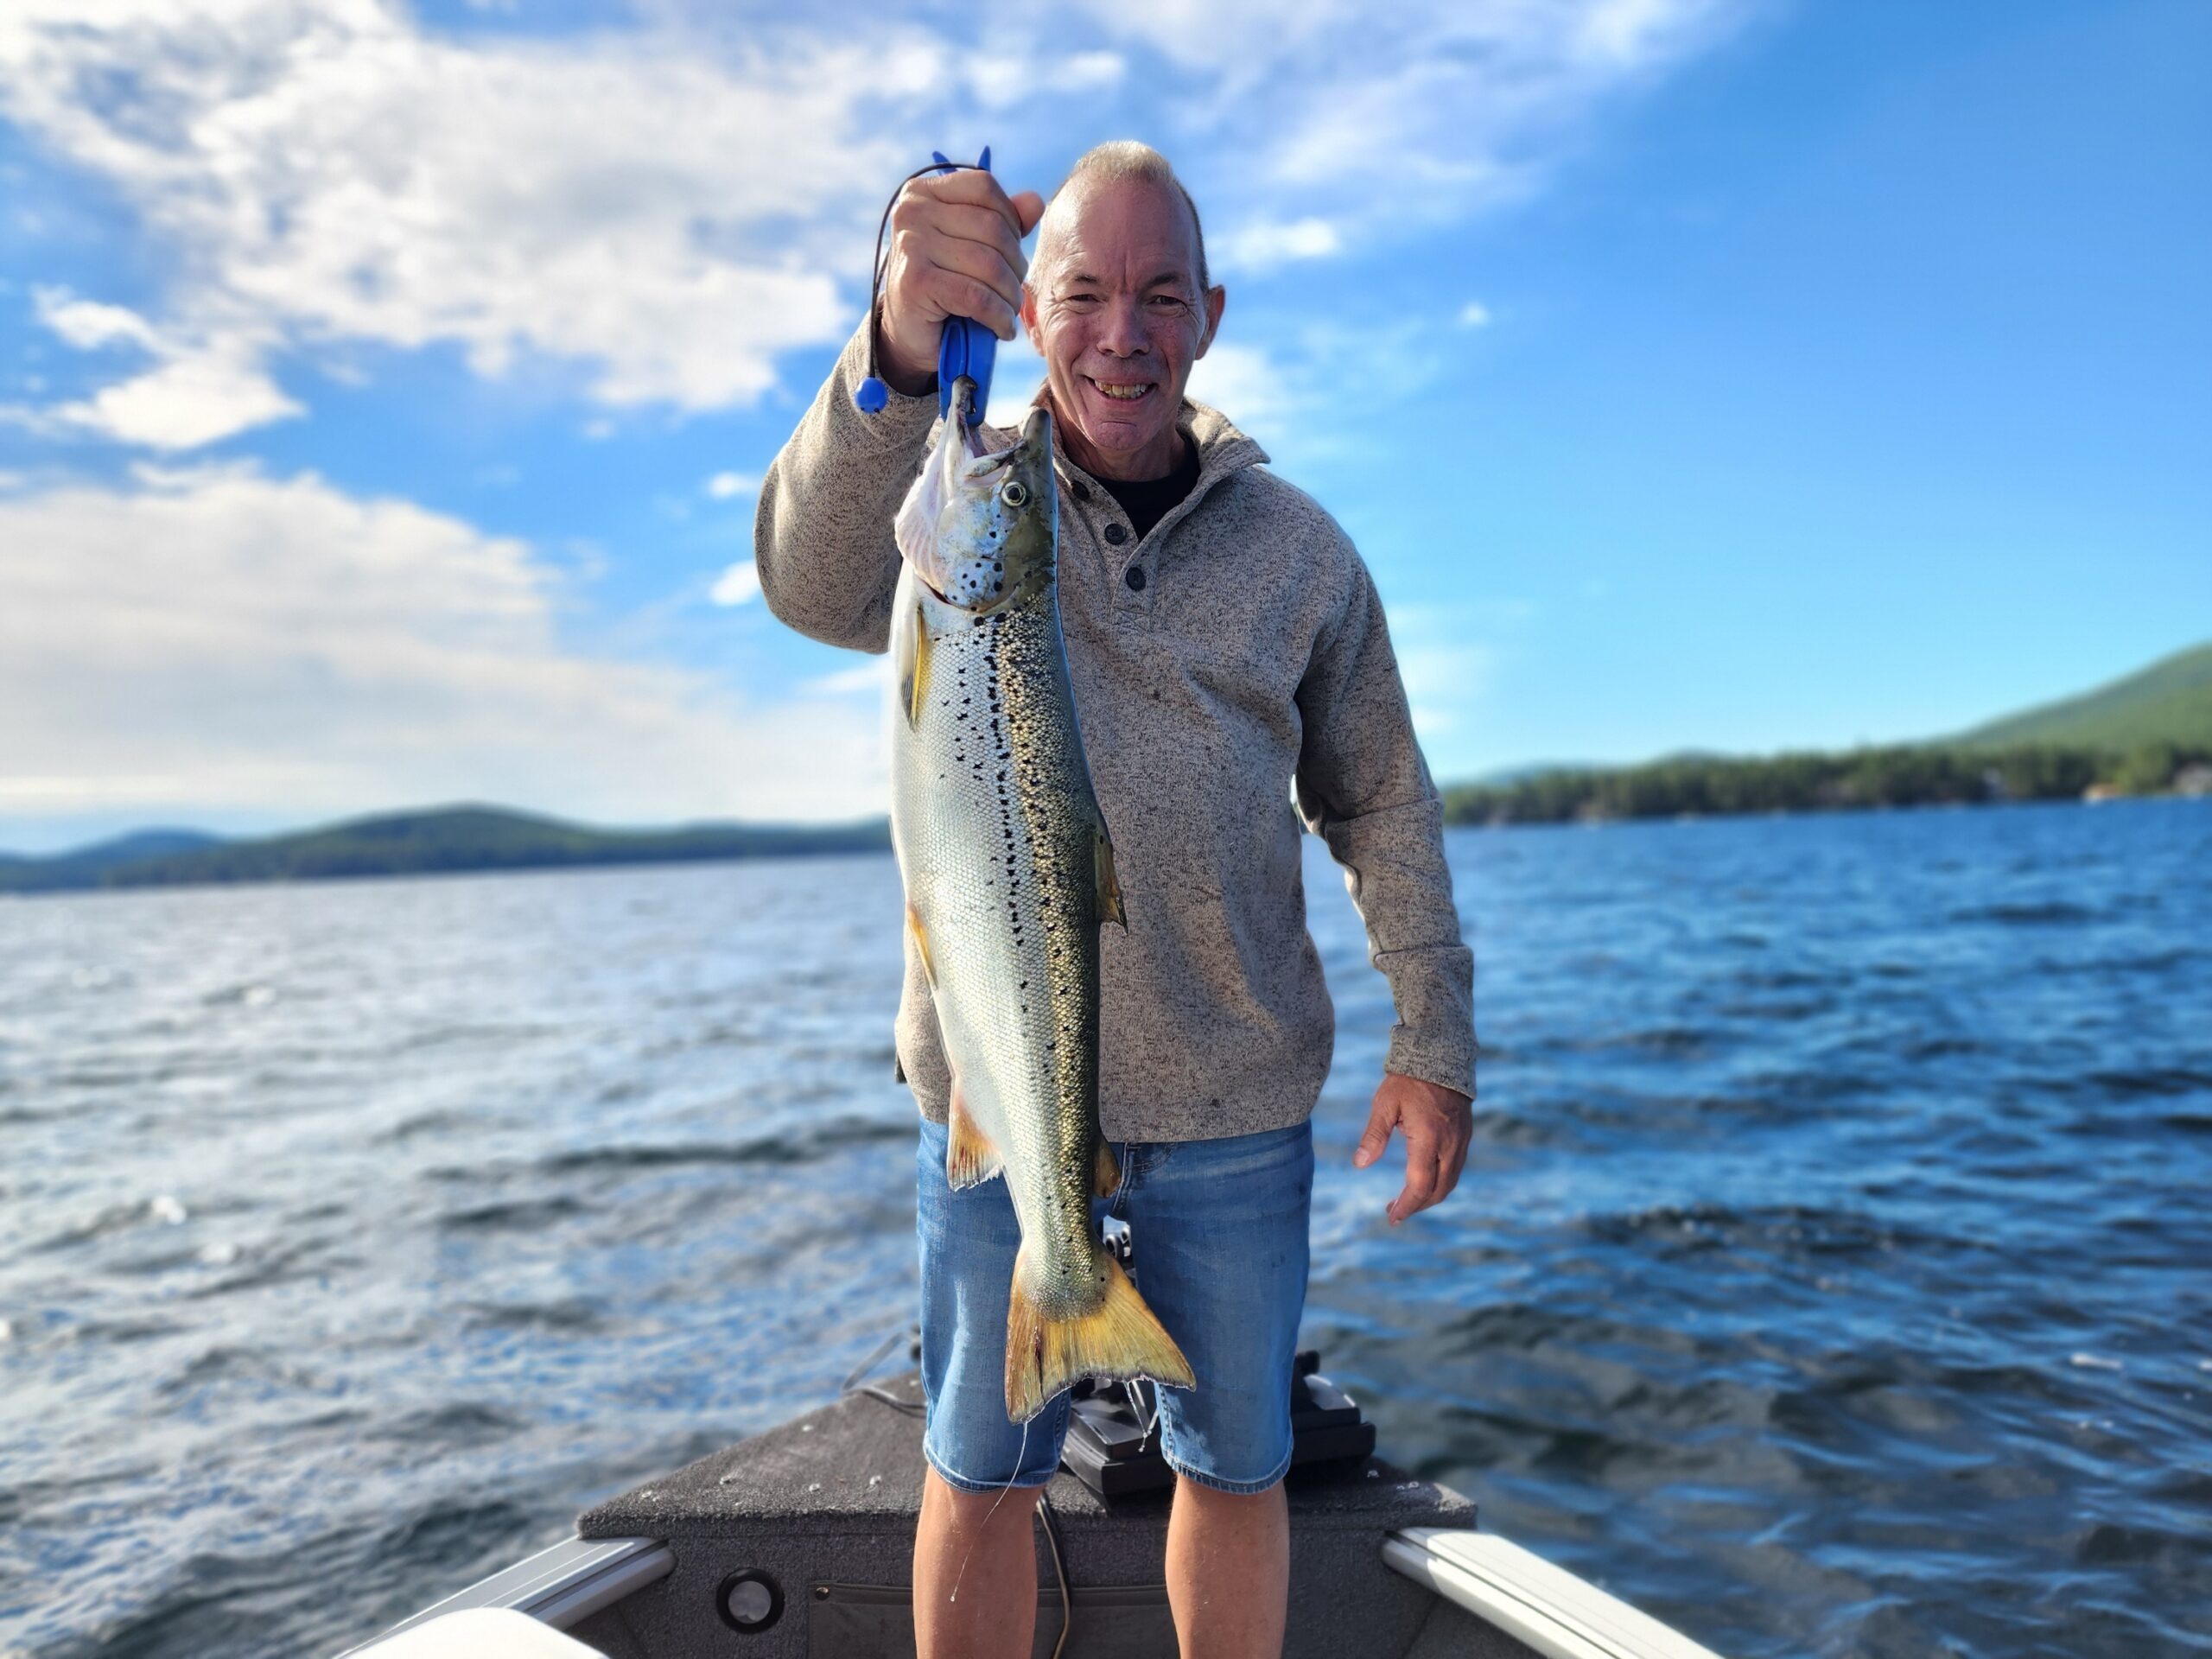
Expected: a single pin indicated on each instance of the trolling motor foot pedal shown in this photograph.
(1113, 1443)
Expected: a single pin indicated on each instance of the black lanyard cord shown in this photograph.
(873, 393)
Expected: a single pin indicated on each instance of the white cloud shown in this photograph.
(1246, 384)
(737, 585)
(723, 486)
(1002, 79)
(88, 325)
(194, 400)
(1264, 245)
(1320, 391)
(673, 205)
(200, 391)
(1384, 119)
(1474, 314)
(335, 172)
(216, 638)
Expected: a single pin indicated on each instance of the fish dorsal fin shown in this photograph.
(1109, 885)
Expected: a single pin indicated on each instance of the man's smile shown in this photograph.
(1121, 391)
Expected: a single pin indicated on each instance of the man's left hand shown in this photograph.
(1438, 1123)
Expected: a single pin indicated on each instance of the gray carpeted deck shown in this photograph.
(826, 1504)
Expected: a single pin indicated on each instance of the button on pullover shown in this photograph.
(1259, 671)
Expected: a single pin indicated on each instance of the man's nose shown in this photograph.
(1121, 332)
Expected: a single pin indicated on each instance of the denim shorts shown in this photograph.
(1219, 1233)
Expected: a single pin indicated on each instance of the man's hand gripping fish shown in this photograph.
(1009, 875)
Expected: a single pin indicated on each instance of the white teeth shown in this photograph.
(1121, 394)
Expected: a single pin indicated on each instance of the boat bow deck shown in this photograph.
(824, 1506)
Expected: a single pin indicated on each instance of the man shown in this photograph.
(1223, 639)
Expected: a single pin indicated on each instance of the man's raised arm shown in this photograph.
(822, 540)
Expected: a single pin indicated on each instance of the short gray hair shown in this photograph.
(1121, 161)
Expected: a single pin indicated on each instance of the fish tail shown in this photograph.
(1120, 1338)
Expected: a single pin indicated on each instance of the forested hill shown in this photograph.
(449, 839)
(2169, 701)
(2149, 734)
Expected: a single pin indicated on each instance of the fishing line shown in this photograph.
(1051, 1542)
(872, 388)
(853, 1384)
(993, 1510)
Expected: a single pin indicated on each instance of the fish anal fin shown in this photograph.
(921, 937)
(1109, 885)
(1106, 1172)
(970, 1157)
(1119, 1338)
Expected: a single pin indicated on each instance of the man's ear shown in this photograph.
(1216, 297)
(1029, 320)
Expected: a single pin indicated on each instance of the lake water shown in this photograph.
(1832, 1274)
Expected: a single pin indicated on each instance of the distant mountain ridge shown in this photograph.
(2169, 701)
(439, 840)
(2163, 711)
(83, 867)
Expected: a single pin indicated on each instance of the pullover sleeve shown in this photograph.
(822, 536)
(1365, 788)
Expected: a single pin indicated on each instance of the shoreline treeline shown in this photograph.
(1899, 775)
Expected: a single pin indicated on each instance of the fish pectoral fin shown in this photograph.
(921, 938)
(1109, 885)
(970, 1157)
(914, 666)
(1119, 1338)
(1106, 1171)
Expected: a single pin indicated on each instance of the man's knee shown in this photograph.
(968, 1512)
(1198, 1495)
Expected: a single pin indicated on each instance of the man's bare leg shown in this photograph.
(993, 1615)
(1229, 1571)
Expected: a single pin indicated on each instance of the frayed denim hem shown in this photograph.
(962, 1482)
(1242, 1488)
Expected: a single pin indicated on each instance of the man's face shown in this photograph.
(1113, 307)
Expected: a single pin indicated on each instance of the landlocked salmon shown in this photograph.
(1009, 875)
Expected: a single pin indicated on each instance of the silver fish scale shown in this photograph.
(997, 826)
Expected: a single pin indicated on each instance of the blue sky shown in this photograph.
(382, 391)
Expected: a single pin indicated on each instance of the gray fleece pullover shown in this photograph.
(1249, 658)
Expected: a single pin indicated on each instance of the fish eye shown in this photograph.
(1015, 494)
